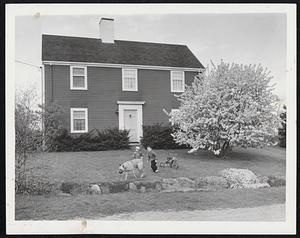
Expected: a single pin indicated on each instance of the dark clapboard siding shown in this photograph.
(105, 89)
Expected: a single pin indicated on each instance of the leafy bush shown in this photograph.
(242, 178)
(34, 186)
(158, 136)
(282, 128)
(276, 181)
(53, 117)
(57, 138)
(95, 140)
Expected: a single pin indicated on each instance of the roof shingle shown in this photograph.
(92, 50)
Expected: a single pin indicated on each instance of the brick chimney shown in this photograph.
(106, 26)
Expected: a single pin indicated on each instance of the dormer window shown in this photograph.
(78, 78)
(129, 79)
(177, 81)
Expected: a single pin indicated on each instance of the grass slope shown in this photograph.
(97, 206)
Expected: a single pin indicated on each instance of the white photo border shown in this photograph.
(146, 227)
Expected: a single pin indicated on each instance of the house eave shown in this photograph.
(130, 102)
(91, 64)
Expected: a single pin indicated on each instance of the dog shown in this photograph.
(130, 166)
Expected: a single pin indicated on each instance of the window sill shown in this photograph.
(84, 89)
(177, 91)
(78, 132)
(129, 90)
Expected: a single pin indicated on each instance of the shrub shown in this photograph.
(158, 136)
(276, 181)
(282, 128)
(34, 186)
(95, 140)
(242, 178)
(53, 117)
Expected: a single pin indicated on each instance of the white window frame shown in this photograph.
(136, 80)
(86, 120)
(183, 79)
(71, 77)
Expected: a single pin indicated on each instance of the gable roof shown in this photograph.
(92, 50)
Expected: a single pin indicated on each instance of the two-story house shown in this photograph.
(104, 82)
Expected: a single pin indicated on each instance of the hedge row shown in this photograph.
(95, 140)
(158, 136)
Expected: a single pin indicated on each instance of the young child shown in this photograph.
(137, 153)
(152, 158)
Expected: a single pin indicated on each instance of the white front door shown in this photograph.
(131, 118)
(130, 123)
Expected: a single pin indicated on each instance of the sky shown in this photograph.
(239, 38)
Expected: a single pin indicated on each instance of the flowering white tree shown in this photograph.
(229, 105)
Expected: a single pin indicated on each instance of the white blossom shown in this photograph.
(230, 105)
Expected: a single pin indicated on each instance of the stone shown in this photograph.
(95, 189)
(62, 194)
(105, 189)
(169, 183)
(276, 181)
(200, 182)
(178, 189)
(217, 181)
(158, 187)
(117, 187)
(142, 189)
(186, 182)
(178, 183)
(67, 187)
(150, 190)
(132, 187)
(262, 179)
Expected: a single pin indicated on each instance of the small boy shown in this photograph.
(152, 158)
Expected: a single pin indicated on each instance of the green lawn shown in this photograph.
(103, 165)
(96, 206)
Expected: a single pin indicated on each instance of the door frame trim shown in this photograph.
(139, 109)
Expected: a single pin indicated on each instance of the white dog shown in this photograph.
(130, 166)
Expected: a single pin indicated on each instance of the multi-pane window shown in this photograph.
(177, 81)
(129, 80)
(79, 120)
(78, 77)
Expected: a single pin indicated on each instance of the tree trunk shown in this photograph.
(224, 150)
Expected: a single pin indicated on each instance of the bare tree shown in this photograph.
(28, 136)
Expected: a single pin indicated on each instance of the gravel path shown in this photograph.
(263, 213)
